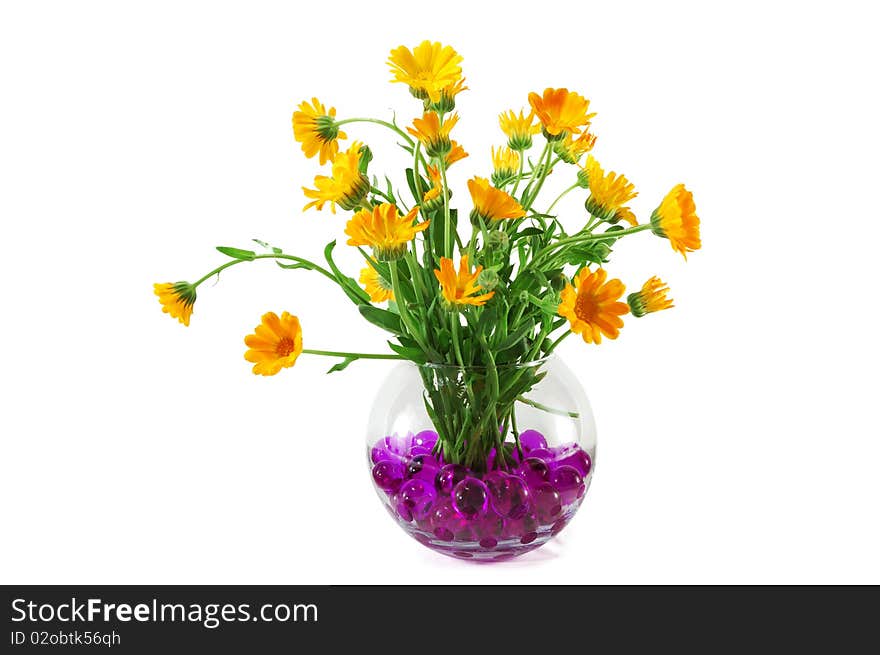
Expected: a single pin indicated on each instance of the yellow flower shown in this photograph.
(652, 298)
(177, 299)
(383, 230)
(275, 343)
(608, 194)
(676, 219)
(570, 150)
(491, 204)
(378, 288)
(519, 129)
(456, 153)
(461, 288)
(591, 305)
(505, 165)
(433, 135)
(427, 70)
(345, 187)
(561, 111)
(315, 128)
(446, 103)
(433, 198)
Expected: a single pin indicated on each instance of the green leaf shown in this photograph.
(366, 158)
(413, 354)
(341, 366)
(351, 288)
(268, 246)
(527, 232)
(238, 253)
(384, 319)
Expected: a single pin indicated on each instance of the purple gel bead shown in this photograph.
(449, 476)
(424, 467)
(546, 502)
(568, 482)
(445, 521)
(531, 440)
(470, 498)
(489, 525)
(516, 528)
(417, 496)
(534, 471)
(488, 543)
(557, 527)
(398, 445)
(425, 439)
(415, 451)
(388, 476)
(542, 453)
(401, 508)
(508, 495)
(576, 458)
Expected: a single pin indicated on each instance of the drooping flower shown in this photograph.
(446, 103)
(652, 298)
(570, 150)
(519, 129)
(461, 288)
(609, 194)
(177, 299)
(275, 344)
(378, 288)
(491, 204)
(456, 153)
(592, 305)
(315, 128)
(676, 219)
(427, 70)
(561, 111)
(505, 165)
(432, 135)
(433, 198)
(384, 230)
(345, 187)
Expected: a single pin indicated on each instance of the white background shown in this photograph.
(738, 433)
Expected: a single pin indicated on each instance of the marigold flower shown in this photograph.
(177, 299)
(383, 230)
(460, 288)
(491, 204)
(433, 198)
(315, 128)
(591, 305)
(275, 344)
(377, 287)
(427, 70)
(676, 219)
(345, 187)
(570, 150)
(608, 194)
(652, 298)
(519, 129)
(505, 165)
(456, 153)
(561, 111)
(433, 135)
(446, 103)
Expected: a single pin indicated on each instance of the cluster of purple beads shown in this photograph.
(442, 502)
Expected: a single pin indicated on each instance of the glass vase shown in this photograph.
(482, 463)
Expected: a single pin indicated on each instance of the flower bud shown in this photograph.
(488, 279)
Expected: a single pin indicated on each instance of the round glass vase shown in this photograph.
(482, 463)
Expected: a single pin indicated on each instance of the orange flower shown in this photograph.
(491, 204)
(591, 305)
(275, 344)
(676, 219)
(561, 111)
(460, 288)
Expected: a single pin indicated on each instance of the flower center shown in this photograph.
(285, 347)
(585, 307)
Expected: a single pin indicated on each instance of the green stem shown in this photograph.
(345, 355)
(545, 172)
(390, 126)
(447, 220)
(561, 196)
(558, 341)
(522, 163)
(307, 264)
(586, 238)
(545, 408)
(404, 310)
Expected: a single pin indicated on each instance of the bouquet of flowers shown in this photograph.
(481, 290)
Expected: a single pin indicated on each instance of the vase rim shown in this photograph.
(531, 363)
